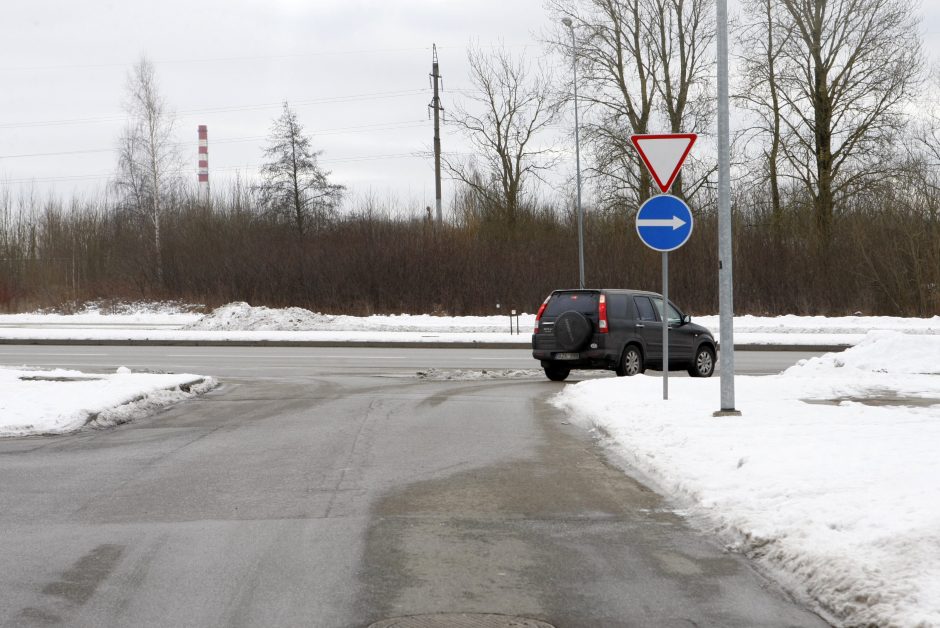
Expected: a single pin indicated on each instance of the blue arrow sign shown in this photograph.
(664, 223)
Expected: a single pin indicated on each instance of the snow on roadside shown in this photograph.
(240, 322)
(243, 317)
(839, 498)
(59, 401)
(135, 314)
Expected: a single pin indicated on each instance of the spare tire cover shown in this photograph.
(572, 330)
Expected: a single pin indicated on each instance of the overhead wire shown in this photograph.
(381, 126)
(422, 154)
(191, 112)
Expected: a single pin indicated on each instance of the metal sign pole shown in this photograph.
(665, 316)
(725, 282)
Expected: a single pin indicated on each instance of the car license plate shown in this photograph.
(567, 356)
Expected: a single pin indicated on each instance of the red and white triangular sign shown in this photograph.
(664, 155)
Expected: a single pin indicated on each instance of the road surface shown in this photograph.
(334, 488)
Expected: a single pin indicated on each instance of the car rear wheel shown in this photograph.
(631, 362)
(704, 363)
(557, 373)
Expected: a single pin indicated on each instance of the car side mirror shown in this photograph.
(686, 319)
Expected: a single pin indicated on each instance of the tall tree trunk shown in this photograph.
(823, 119)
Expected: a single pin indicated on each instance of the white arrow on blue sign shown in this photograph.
(664, 222)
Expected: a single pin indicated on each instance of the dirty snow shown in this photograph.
(59, 401)
(435, 374)
(830, 479)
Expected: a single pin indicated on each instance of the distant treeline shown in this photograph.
(884, 257)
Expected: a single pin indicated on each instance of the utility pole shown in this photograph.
(436, 106)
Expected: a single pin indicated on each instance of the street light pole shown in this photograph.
(577, 153)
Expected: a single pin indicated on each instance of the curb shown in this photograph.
(109, 342)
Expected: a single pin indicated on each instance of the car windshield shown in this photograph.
(584, 302)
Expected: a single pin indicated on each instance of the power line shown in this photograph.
(299, 55)
(90, 177)
(382, 126)
(108, 175)
(192, 112)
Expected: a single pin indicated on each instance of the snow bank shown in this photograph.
(59, 401)
(791, 324)
(242, 322)
(879, 352)
(838, 498)
(243, 317)
(96, 313)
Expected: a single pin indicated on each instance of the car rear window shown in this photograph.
(584, 302)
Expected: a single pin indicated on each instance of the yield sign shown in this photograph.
(664, 155)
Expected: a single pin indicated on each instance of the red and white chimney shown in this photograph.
(203, 164)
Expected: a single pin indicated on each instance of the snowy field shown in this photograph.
(242, 322)
(60, 401)
(830, 480)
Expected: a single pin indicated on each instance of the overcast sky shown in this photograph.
(356, 72)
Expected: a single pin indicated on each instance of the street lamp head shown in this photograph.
(567, 22)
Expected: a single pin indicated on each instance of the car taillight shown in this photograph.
(538, 316)
(602, 315)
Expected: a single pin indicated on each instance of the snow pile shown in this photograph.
(880, 352)
(60, 401)
(241, 316)
(839, 498)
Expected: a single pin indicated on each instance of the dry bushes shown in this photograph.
(884, 260)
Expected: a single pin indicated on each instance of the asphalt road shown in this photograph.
(325, 487)
(302, 361)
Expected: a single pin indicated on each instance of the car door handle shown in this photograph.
(638, 326)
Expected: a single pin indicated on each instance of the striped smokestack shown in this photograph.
(203, 164)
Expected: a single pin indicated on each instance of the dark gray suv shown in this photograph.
(619, 330)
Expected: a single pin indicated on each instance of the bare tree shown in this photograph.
(684, 32)
(646, 67)
(845, 73)
(927, 129)
(294, 187)
(507, 115)
(761, 42)
(149, 163)
(618, 65)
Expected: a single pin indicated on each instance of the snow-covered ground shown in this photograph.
(147, 315)
(242, 322)
(830, 479)
(59, 401)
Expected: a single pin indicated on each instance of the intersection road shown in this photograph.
(311, 490)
